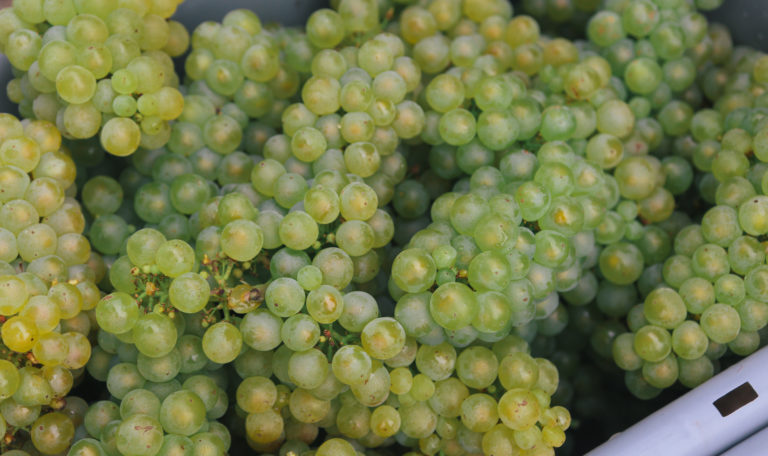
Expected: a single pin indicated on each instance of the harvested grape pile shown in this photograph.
(420, 227)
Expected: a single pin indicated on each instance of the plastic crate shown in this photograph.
(715, 416)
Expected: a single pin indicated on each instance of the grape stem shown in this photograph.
(335, 339)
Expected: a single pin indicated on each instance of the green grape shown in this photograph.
(353, 420)
(222, 342)
(489, 271)
(292, 188)
(306, 408)
(664, 307)
(621, 263)
(448, 396)
(638, 386)
(284, 297)
(154, 334)
(176, 445)
(477, 367)
(710, 262)
(643, 75)
(174, 258)
(241, 240)
(189, 292)
(19, 334)
(10, 379)
(698, 294)
(99, 414)
(361, 158)
(300, 332)
(18, 415)
(123, 378)
(261, 330)
(321, 95)
(22, 153)
(729, 163)
(204, 387)
(453, 305)
(335, 446)
(140, 435)
(298, 230)
(662, 374)
(15, 181)
(117, 313)
(721, 323)
(605, 28)
(287, 262)
(689, 341)
(256, 394)
(264, 427)
(310, 277)
(351, 365)
(139, 402)
(518, 409)
(325, 304)
(52, 433)
(375, 390)
(413, 270)
(182, 412)
(188, 193)
(358, 310)
(745, 343)
(752, 314)
(120, 136)
(86, 447)
(235, 206)
(435, 362)
(692, 373)
(108, 233)
(752, 215)
(652, 343)
(557, 123)
(325, 28)
(161, 369)
(142, 245)
(729, 289)
(385, 421)
(75, 84)
(102, 195)
(624, 353)
(640, 18)
(308, 369)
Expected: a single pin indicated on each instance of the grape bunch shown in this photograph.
(97, 67)
(707, 300)
(168, 391)
(47, 288)
(337, 220)
(333, 361)
(710, 290)
(420, 228)
(659, 61)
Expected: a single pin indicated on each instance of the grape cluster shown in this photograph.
(46, 288)
(425, 227)
(708, 295)
(658, 50)
(335, 218)
(95, 67)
